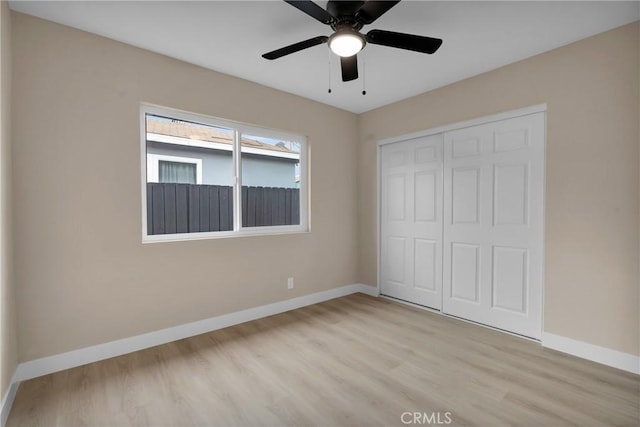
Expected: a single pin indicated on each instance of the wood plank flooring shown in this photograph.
(352, 361)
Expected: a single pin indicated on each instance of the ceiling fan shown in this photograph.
(346, 18)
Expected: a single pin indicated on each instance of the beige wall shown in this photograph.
(8, 339)
(82, 274)
(592, 190)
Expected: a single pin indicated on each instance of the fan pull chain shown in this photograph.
(329, 91)
(364, 92)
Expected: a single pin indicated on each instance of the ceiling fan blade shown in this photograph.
(373, 10)
(349, 67)
(404, 41)
(312, 9)
(296, 47)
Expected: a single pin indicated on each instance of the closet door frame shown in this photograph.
(539, 108)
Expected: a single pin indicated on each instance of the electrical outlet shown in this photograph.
(290, 283)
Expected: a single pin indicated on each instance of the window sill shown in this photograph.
(245, 232)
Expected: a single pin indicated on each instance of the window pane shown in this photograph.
(189, 176)
(270, 181)
(182, 173)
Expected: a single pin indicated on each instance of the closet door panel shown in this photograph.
(411, 220)
(493, 213)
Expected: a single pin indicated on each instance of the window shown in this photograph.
(209, 178)
(172, 169)
(176, 172)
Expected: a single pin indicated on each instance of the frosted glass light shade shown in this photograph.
(346, 44)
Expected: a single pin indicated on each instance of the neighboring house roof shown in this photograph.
(208, 137)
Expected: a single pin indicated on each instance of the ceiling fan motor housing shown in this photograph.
(344, 9)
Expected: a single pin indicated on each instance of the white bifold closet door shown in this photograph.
(461, 222)
(493, 224)
(411, 220)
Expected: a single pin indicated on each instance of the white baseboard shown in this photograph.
(606, 356)
(7, 400)
(368, 290)
(59, 362)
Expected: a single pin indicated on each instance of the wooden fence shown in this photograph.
(188, 208)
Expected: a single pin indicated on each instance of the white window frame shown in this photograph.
(239, 129)
(153, 165)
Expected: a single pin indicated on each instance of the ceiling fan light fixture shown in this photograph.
(346, 43)
(346, 19)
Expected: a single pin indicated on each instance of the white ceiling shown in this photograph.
(230, 36)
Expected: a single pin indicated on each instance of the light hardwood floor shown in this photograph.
(352, 361)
